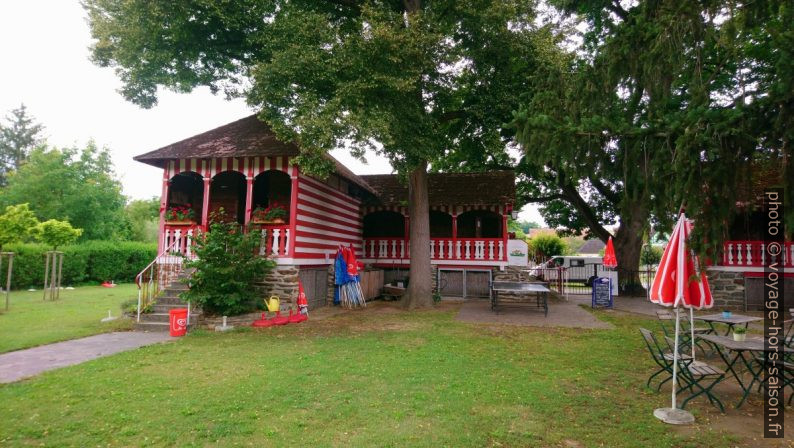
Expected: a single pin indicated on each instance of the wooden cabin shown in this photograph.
(243, 169)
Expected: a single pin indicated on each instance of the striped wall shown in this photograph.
(208, 168)
(325, 218)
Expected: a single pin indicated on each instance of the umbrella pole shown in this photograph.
(675, 355)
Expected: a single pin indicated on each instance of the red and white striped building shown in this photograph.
(241, 166)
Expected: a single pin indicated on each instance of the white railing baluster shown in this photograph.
(468, 244)
(749, 253)
(729, 254)
(457, 250)
(394, 248)
(402, 248)
(490, 250)
(274, 248)
(739, 254)
(286, 242)
(432, 249)
(501, 250)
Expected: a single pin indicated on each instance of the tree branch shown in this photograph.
(610, 195)
(535, 199)
(574, 198)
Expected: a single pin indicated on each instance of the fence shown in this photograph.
(579, 279)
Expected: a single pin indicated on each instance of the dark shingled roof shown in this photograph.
(491, 188)
(248, 137)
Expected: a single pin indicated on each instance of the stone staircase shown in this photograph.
(157, 320)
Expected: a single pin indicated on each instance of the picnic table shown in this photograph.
(740, 348)
(540, 290)
(735, 319)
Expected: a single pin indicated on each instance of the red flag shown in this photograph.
(609, 255)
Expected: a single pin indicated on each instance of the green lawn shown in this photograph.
(379, 377)
(32, 321)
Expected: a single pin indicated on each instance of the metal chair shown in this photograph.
(685, 334)
(696, 377)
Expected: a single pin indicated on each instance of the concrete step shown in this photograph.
(156, 326)
(160, 307)
(170, 300)
(162, 317)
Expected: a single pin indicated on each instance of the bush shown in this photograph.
(650, 255)
(226, 270)
(90, 262)
(547, 246)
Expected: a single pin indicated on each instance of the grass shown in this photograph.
(31, 321)
(381, 377)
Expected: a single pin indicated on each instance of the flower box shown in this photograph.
(268, 221)
(180, 223)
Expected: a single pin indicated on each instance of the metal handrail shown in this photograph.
(154, 277)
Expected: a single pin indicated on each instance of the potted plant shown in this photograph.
(739, 334)
(273, 214)
(180, 215)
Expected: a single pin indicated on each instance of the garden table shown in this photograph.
(540, 290)
(735, 319)
(740, 348)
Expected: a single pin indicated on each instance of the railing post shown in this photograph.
(286, 241)
(274, 248)
(205, 204)
(249, 190)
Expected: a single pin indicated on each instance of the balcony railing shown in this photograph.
(460, 249)
(753, 254)
(274, 240)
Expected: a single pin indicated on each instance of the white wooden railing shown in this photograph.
(473, 249)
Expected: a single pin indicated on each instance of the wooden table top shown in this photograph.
(734, 319)
(755, 344)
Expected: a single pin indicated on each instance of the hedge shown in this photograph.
(89, 262)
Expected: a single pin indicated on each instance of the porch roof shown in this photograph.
(247, 137)
(491, 188)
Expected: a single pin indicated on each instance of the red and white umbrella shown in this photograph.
(679, 283)
(609, 255)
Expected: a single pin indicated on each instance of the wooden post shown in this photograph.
(46, 273)
(205, 205)
(249, 192)
(8, 278)
(60, 275)
(163, 209)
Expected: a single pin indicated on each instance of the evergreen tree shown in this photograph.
(18, 136)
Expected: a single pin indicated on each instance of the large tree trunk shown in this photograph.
(419, 292)
(628, 248)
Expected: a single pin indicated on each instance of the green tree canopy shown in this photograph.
(71, 184)
(56, 233)
(661, 105)
(428, 84)
(18, 136)
(143, 216)
(16, 224)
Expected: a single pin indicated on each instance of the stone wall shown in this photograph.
(727, 288)
(510, 274)
(282, 281)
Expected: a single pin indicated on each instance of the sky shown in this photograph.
(45, 65)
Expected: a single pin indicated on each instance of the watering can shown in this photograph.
(272, 304)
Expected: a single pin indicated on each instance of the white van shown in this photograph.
(578, 268)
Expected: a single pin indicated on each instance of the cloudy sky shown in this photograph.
(44, 50)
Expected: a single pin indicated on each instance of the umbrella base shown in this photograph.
(674, 416)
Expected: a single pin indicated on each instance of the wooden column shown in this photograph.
(163, 209)
(407, 236)
(205, 205)
(249, 192)
(293, 210)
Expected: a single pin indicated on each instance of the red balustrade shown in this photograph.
(753, 253)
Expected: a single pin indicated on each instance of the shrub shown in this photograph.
(90, 262)
(56, 233)
(650, 255)
(546, 246)
(226, 270)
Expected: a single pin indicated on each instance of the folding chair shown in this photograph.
(696, 372)
(664, 359)
(685, 336)
(788, 375)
